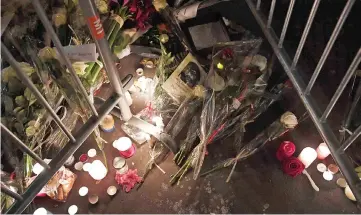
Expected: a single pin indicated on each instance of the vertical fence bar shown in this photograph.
(15, 65)
(10, 193)
(324, 129)
(23, 147)
(81, 135)
(285, 25)
(350, 140)
(49, 28)
(258, 4)
(305, 33)
(330, 43)
(270, 15)
(351, 70)
(97, 31)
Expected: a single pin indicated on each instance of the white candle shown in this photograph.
(321, 167)
(327, 176)
(112, 190)
(78, 166)
(37, 168)
(86, 167)
(98, 170)
(40, 211)
(307, 156)
(92, 153)
(122, 144)
(322, 151)
(73, 209)
(83, 191)
(70, 161)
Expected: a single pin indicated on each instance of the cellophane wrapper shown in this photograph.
(219, 103)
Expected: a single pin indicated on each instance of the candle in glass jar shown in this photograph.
(307, 156)
(322, 151)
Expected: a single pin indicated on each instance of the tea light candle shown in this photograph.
(78, 166)
(83, 157)
(83, 191)
(112, 190)
(341, 182)
(322, 151)
(333, 168)
(98, 170)
(327, 176)
(321, 167)
(125, 147)
(107, 124)
(307, 156)
(93, 199)
(92, 153)
(86, 167)
(72, 209)
(40, 211)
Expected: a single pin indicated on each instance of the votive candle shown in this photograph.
(322, 151)
(307, 156)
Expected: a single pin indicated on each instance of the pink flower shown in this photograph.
(128, 179)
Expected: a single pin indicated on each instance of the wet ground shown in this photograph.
(257, 186)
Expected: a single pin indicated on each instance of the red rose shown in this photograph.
(285, 150)
(292, 166)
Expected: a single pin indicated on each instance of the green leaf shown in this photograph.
(19, 128)
(30, 131)
(29, 96)
(8, 103)
(20, 101)
(15, 86)
(21, 116)
(17, 110)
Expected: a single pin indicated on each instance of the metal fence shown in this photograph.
(336, 147)
(97, 31)
(76, 140)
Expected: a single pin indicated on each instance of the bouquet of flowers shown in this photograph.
(228, 79)
(285, 123)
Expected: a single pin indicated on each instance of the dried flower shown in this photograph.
(59, 17)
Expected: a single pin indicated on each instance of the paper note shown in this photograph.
(84, 53)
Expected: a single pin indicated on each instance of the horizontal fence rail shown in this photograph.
(303, 90)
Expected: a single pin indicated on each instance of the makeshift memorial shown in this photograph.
(287, 122)
(307, 156)
(128, 179)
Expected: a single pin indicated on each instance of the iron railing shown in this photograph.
(76, 140)
(304, 91)
(97, 31)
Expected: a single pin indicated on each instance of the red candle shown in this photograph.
(125, 147)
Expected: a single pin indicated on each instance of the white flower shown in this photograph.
(289, 120)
